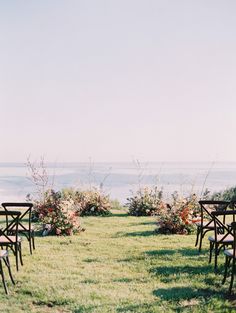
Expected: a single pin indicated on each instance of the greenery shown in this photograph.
(118, 265)
(146, 201)
(227, 194)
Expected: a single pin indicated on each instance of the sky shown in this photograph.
(118, 80)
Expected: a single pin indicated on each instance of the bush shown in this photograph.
(225, 195)
(92, 202)
(178, 216)
(57, 214)
(146, 201)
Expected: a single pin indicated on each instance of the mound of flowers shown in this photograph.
(146, 201)
(179, 216)
(175, 216)
(92, 202)
(58, 214)
(59, 211)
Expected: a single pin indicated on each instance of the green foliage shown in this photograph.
(226, 195)
(146, 201)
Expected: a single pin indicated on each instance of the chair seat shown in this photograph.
(3, 253)
(229, 252)
(12, 239)
(228, 239)
(210, 226)
(21, 228)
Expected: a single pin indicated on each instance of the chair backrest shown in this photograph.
(208, 206)
(25, 208)
(225, 229)
(10, 220)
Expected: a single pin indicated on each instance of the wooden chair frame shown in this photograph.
(11, 239)
(5, 257)
(223, 234)
(28, 230)
(204, 227)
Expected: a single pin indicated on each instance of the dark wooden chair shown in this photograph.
(223, 235)
(5, 257)
(25, 220)
(206, 222)
(230, 256)
(8, 238)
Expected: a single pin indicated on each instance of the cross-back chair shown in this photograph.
(5, 257)
(223, 235)
(10, 239)
(206, 222)
(230, 256)
(25, 220)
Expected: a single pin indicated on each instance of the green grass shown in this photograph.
(117, 265)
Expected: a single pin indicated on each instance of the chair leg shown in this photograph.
(30, 243)
(3, 278)
(216, 256)
(16, 256)
(227, 263)
(33, 241)
(232, 277)
(20, 253)
(196, 243)
(201, 237)
(7, 262)
(211, 248)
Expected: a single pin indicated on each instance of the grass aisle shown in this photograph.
(117, 265)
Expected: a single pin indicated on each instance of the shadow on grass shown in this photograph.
(181, 270)
(144, 223)
(162, 252)
(116, 215)
(184, 293)
(138, 234)
(188, 252)
(144, 308)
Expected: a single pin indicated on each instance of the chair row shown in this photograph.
(15, 220)
(219, 217)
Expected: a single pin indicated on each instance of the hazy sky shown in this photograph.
(118, 79)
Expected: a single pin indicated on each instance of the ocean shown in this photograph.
(120, 180)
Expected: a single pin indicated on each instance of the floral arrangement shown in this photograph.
(179, 216)
(57, 214)
(92, 202)
(146, 201)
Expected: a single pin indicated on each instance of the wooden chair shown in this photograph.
(8, 238)
(206, 223)
(25, 220)
(230, 256)
(5, 257)
(223, 235)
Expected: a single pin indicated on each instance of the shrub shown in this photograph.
(146, 201)
(57, 213)
(225, 195)
(178, 217)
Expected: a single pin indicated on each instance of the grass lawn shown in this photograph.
(117, 265)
